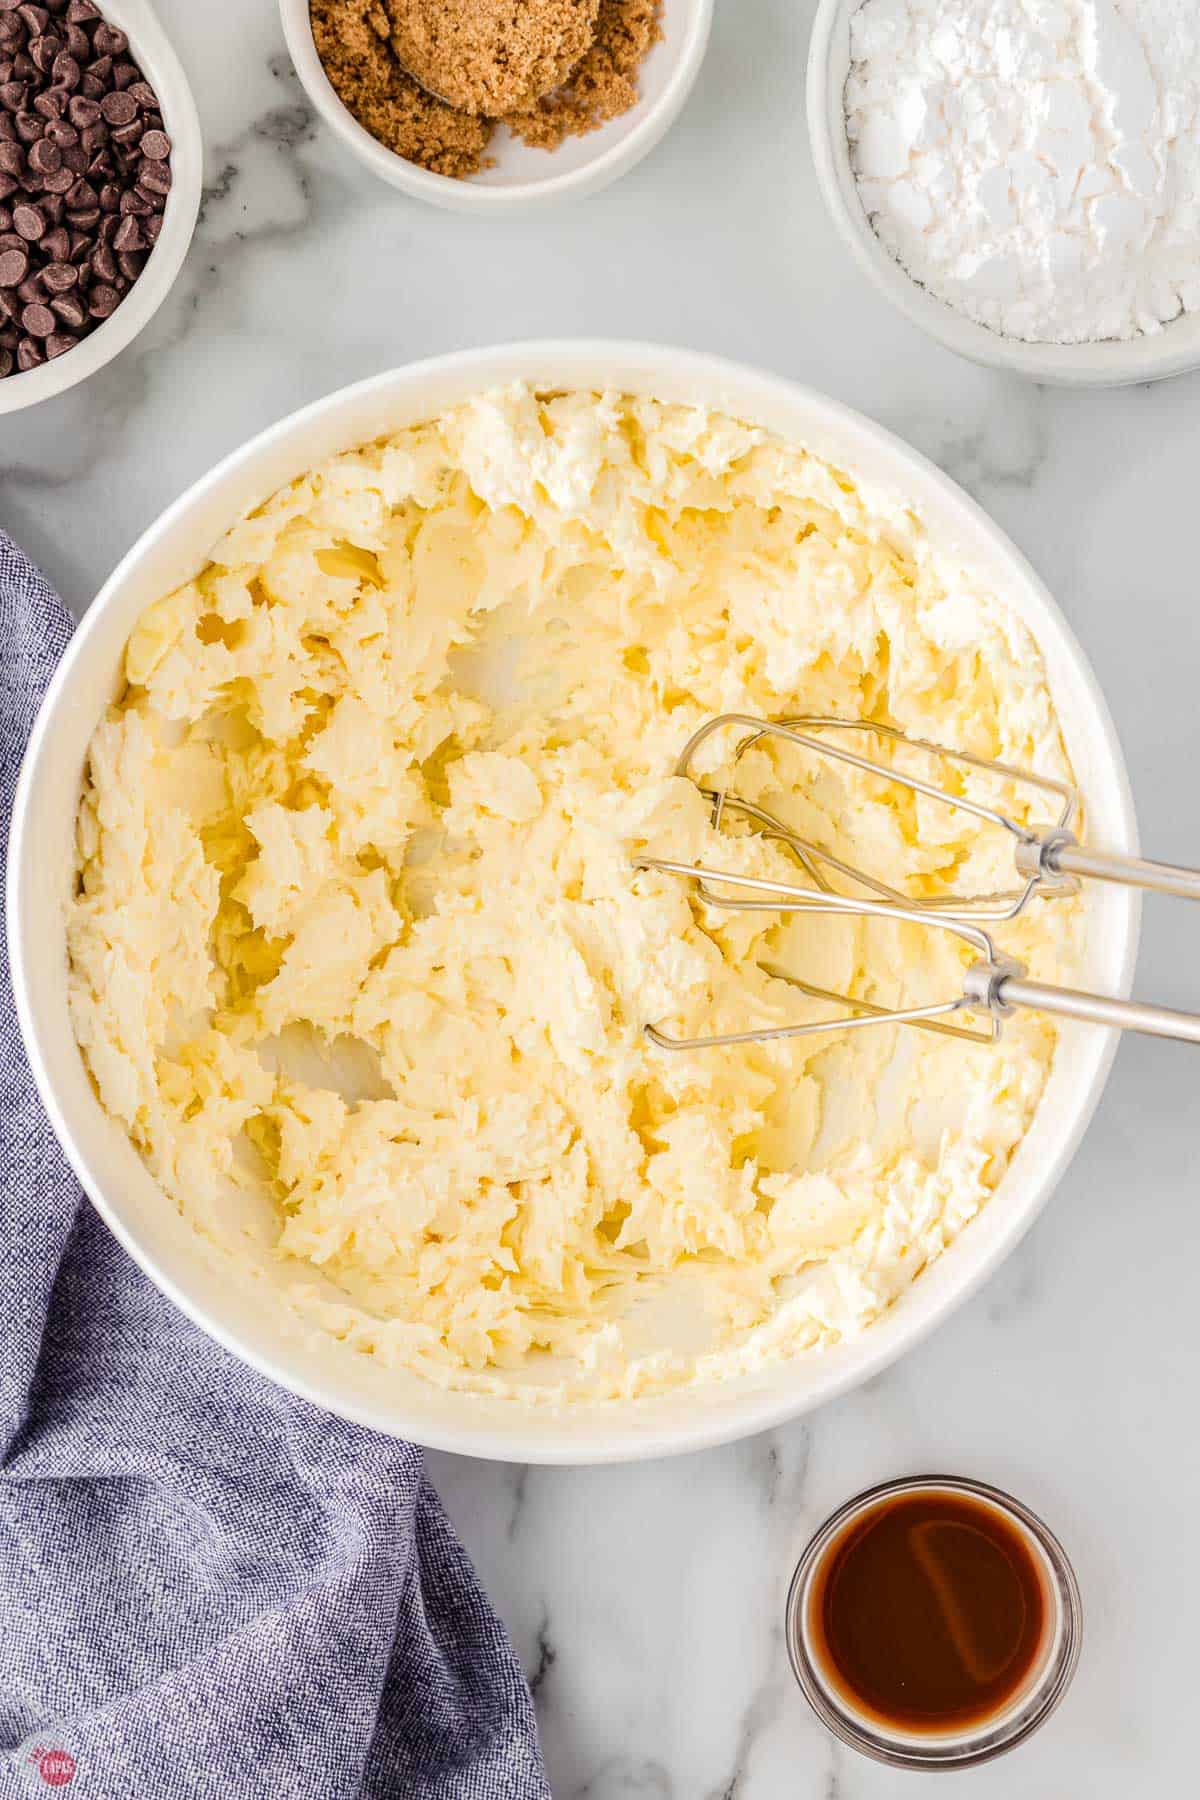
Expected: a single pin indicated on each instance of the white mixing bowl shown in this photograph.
(40, 860)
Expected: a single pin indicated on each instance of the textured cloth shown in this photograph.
(207, 1587)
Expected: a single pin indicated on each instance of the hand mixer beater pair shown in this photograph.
(1047, 862)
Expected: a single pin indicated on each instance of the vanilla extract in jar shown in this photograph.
(934, 1622)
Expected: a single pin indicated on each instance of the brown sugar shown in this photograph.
(605, 84)
(364, 45)
(352, 41)
(492, 57)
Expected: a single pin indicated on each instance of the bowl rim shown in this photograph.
(1115, 362)
(472, 197)
(529, 1435)
(156, 56)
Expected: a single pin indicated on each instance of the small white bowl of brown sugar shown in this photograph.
(485, 104)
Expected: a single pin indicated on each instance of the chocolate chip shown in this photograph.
(45, 158)
(29, 222)
(104, 300)
(108, 40)
(53, 103)
(60, 341)
(156, 145)
(128, 234)
(70, 309)
(118, 108)
(81, 111)
(66, 71)
(29, 354)
(43, 50)
(37, 320)
(14, 266)
(59, 276)
(154, 179)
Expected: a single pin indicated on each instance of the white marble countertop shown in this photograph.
(646, 1601)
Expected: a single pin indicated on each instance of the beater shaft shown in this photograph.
(1126, 871)
(1098, 1009)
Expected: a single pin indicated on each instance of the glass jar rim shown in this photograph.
(992, 1737)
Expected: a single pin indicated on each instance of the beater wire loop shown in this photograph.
(1050, 862)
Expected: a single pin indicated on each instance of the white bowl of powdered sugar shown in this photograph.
(1021, 177)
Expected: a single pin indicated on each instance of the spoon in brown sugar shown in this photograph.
(491, 57)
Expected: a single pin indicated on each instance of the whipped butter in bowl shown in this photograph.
(360, 964)
(317, 823)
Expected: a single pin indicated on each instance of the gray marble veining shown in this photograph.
(647, 1602)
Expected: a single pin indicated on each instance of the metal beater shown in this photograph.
(1047, 863)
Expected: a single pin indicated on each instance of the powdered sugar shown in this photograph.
(1034, 163)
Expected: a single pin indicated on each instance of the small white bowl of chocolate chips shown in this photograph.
(100, 181)
(486, 105)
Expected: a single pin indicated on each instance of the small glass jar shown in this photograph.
(1035, 1699)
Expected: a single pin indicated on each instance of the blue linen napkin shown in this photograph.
(208, 1588)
